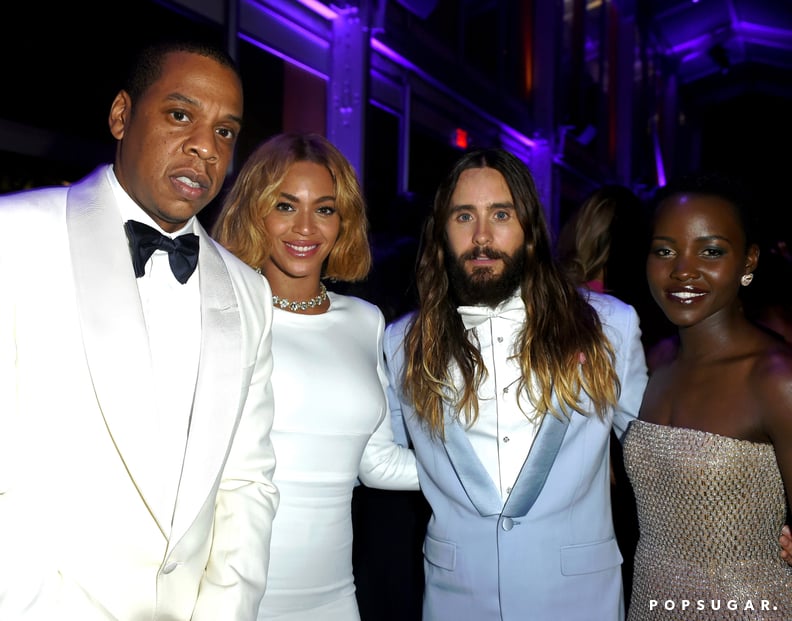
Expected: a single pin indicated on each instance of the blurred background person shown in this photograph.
(603, 246)
(296, 213)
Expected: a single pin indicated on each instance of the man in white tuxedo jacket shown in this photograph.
(135, 411)
(507, 381)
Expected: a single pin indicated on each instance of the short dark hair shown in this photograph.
(731, 188)
(146, 66)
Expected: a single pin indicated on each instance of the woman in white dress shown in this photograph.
(297, 214)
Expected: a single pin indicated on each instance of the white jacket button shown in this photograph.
(169, 568)
(507, 524)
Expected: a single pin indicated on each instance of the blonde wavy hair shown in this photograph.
(256, 190)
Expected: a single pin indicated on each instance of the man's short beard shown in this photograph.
(482, 287)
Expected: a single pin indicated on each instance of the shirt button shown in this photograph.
(505, 438)
(508, 490)
(500, 339)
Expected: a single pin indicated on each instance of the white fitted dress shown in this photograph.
(332, 425)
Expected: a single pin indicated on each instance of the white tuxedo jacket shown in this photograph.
(550, 551)
(77, 539)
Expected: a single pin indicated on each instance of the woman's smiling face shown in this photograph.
(697, 257)
(305, 223)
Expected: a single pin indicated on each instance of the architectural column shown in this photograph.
(348, 87)
(546, 32)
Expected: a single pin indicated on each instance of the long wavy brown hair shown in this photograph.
(561, 329)
(256, 190)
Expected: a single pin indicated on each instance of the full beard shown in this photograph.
(482, 286)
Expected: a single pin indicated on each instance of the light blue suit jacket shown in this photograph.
(550, 552)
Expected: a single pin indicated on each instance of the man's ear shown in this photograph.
(120, 111)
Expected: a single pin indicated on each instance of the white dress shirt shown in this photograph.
(503, 434)
(173, 320)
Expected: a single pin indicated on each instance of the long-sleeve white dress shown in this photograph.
(332, 425)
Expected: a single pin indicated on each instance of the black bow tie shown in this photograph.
(144, 240)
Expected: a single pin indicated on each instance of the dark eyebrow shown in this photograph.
(714, 238)
(320, 199)
(492, 207)
(703, 238)
(196, 104)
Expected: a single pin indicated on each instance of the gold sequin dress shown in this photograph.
(710, 510)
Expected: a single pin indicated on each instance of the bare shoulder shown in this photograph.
(773, 366)
(771, 379)
(659, 394)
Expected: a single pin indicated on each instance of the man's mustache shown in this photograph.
(485, 252)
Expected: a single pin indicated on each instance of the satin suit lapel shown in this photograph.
(107, 297)
(472, 475)
(218, 396)
(476, 480)
(537, 465)
(120, 360)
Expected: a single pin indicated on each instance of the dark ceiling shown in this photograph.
(733, 62)
(723, 48)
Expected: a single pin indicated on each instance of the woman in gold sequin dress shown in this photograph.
(710, 457)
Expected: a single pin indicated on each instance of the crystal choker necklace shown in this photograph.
(301, 306)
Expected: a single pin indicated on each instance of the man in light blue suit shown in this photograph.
(507, 381)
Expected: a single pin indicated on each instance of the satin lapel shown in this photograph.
(534, 471)
(219, 387)
(472, 474)
(111, 317)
